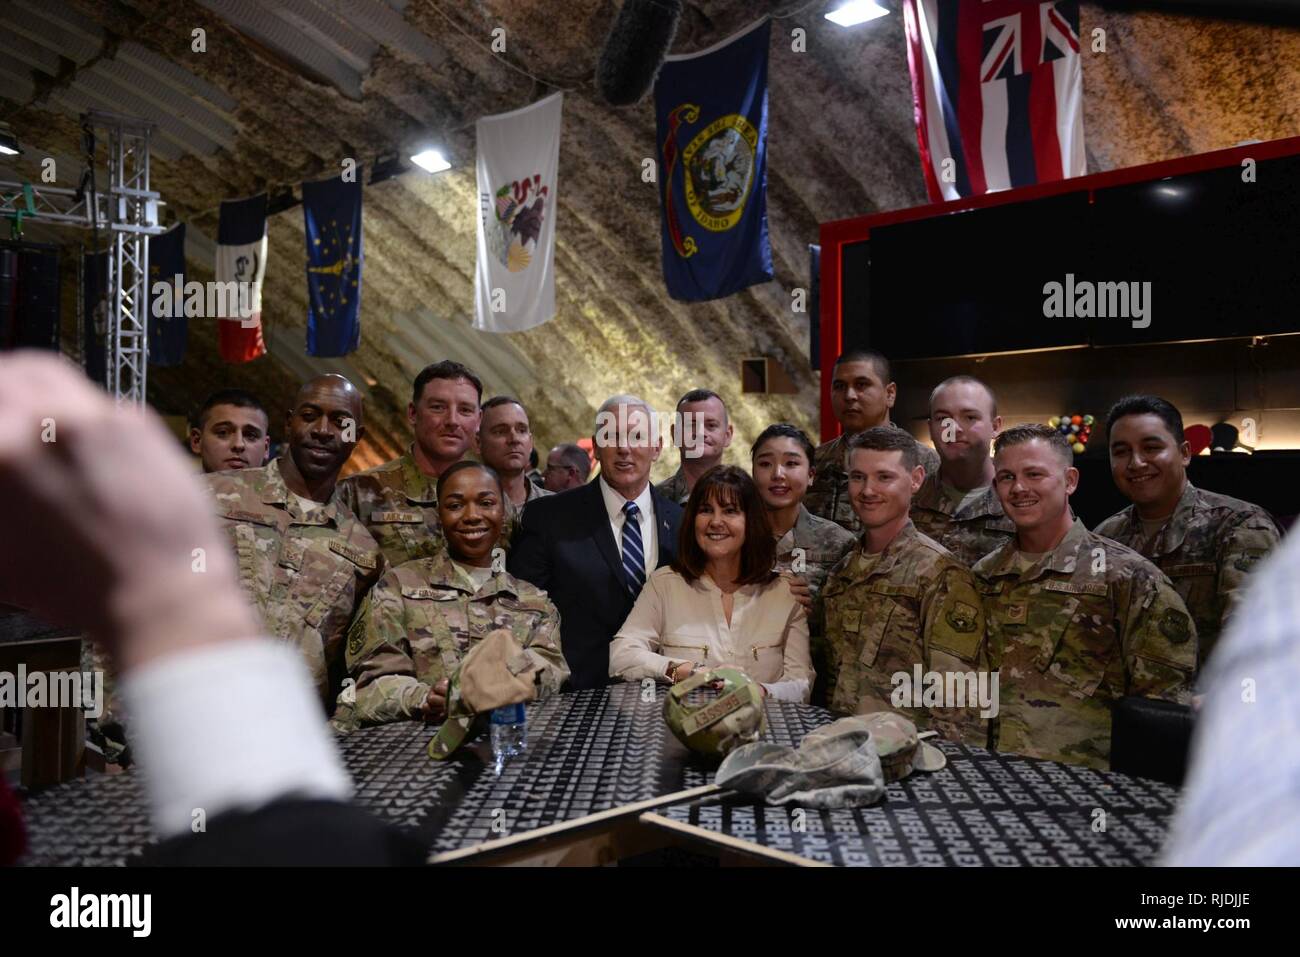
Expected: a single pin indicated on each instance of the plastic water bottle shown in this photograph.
(509, 733)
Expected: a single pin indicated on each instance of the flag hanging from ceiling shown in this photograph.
(168, 327)
(997, 90)
(331, 212)
(241, 258)
(711, 111)
(518, 162)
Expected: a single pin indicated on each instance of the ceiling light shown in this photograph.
(9, 144)
(856, 11)
(431, 161)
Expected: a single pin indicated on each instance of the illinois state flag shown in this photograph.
(331, 212)
(168, 327)
(241, 258)
(997, 90)
(711, 112)
(518, 162)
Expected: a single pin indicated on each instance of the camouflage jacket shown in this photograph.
(421, 619)
(828, 495)
(969, 532)
(917, 605)
(399, 505)
(1207, 548)
(674, 489)
(1088, 624)
(304, 570)
(823, 544)
(513, 512)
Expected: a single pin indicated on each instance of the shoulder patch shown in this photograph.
(1175, 626)
(961, 617)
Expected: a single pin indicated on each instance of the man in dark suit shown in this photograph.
(592, 547)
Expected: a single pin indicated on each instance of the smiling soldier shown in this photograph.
(1076, 621)
(304, 559)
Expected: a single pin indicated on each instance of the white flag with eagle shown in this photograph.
(518, 159)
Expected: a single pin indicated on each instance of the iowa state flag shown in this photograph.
(241, 258)
(997, 90)
(711, 111)
(168, 328)
(331, 211)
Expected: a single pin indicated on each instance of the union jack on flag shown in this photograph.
(997, 88)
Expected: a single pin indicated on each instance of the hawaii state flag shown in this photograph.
(168, 332)
(241, 258)
(711, 112)
(997, 90)
(518, 167)
(331, 211)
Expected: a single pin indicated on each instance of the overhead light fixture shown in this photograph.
(431, 161)
(9, 144)
(853, 12)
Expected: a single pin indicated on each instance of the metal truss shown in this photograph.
(128, 210)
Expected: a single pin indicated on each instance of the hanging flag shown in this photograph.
(168, 327)
(711, 110)
(997, 89)
(94, 312)
(241, 258)
(331, 210)
(518, 162)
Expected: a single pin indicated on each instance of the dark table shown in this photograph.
(598, 761)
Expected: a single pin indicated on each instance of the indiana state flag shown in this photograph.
(168, 327)
(711, 110)
(332, 210)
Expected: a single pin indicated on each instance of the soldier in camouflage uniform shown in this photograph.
(956, 505)
(861, 397)
(304, 559)
(705, 427)
(807, 547)
(899, 600)
(505, 441)
(1075, 621)
(1205, 542)
(397, 500)
(424, 616)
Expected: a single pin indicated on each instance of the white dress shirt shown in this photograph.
(675, 621)
(614, 503)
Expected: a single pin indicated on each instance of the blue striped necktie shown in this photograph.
(633, 550)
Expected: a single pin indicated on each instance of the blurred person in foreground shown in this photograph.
(224, 719)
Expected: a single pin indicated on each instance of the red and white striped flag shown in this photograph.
(241, 258)
(997, 87)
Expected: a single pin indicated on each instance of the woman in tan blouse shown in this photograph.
(719, 602)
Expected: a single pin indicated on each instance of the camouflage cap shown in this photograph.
(496, 672)
(735, 717)
(901, 751)
(833, 767)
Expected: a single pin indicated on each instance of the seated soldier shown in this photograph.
(1205, 542)
(900, 603)
(424, 615)
(1075, 621)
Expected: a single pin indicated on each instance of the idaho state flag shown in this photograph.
(331, 211)
(241, 258)
(168, 327)
(711, 110)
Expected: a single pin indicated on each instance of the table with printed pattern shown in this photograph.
(593, 751)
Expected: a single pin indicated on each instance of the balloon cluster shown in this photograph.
(1076, 428)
